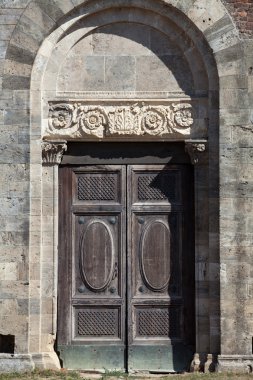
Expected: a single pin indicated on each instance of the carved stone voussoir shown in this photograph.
(195, 148)
(52, 152)
(78, 120)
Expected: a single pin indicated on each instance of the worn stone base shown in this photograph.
(16, 363)
(46, 360)
(235, 363)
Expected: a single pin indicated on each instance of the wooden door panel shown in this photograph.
(98, 255)
(156, 254)
(151, 184)
(97, 269)
(103, 184)
(157, 210)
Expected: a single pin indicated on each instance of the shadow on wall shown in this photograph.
(126, 57)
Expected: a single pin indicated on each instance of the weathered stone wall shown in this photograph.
(24, 25)
(14, 201)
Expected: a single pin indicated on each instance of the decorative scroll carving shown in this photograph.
(194, 148)
(52, 151)
(70, 120)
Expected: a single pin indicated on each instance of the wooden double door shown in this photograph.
(126, 268)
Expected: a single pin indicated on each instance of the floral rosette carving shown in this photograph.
(93, 121)
(154, 121)
(63, 119)
(80, 120)
(183, 115)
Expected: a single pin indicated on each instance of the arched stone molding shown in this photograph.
(221, 35)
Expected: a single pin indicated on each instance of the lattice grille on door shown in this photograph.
(97, 188)
(97, 323)
(162, 186)
(161, 322)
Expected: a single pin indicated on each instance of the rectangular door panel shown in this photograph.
(98, 262)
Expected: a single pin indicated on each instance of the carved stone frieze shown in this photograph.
(52, 152)
(77, 120)
(195, 148)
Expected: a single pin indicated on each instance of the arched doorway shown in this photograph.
(131, 75)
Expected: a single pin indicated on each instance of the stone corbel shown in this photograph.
(52, 152)
(195, 149)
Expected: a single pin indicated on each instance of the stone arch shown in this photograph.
(203, 28)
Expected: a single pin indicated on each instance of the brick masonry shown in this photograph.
(242, 13)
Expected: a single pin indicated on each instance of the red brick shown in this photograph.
(242, 13)
(249, 25)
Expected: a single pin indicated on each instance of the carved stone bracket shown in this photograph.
(52, 152)
(195, 148)
(175, 119)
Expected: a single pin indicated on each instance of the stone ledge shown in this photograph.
(235, 363)
(16, 363)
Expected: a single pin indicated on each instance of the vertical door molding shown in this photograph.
(52, 152)
(198, 152)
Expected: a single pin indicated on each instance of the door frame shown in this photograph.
(178, 155)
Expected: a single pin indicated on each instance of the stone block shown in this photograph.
(34, 306)
(9, 16)
(235, 239)
(120, 73)
(17, 117)
(19, 4)
(3, 48)
(118, 40)
(6, 31)
(18, 223)
(16, 363)
(15, 82)
(9, 135)
(55, 8)
(38, 13)
(34, 271)
(47, 306)
(204, 15)
(19, 54)
(17, 69)
(233, 81)
(234, 98)
(14, 153)
(26, 41)
(220, 28)
(34, 289)
(90, 76)
(10, 287)
(13, 237)
(165, 73)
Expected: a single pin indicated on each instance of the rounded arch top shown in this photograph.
(197, 29)
(43, 22)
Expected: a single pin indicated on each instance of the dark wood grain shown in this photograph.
(126, 256)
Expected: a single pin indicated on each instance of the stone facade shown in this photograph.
(179, 70)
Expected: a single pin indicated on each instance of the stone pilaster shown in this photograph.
(52, 152)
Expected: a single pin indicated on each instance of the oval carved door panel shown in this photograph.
(97, 255)
(155, 255)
